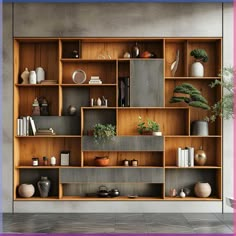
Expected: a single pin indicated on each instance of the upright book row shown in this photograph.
(185, 157)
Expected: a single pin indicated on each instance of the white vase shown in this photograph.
(32, 77)
(26, 190)
(202, 189)
(40, 74)
(197, 69)
(25, 76)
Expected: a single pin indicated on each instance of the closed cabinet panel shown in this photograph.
(110, 175)
(146, 83)
(134, 143)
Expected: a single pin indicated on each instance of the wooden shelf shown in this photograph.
(37, 85)
(194, 78)
(121, 198)
(193, 167)
(81, 60)
(88, 85)
(49, 136)
(192, 136)
(37, 199)
(192, 199)
(47, 167)
(125, 167)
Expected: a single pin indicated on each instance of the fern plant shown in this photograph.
(103, 133)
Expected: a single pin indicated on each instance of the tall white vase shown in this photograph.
(197, 69)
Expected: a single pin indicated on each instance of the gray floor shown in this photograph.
(118, 223)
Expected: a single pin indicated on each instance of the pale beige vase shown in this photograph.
(202, 189)
(26, 190)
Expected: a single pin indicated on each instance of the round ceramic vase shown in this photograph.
(26, 190)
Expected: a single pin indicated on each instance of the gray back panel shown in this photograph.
(111, 175)
(133, 143)
(146, 83)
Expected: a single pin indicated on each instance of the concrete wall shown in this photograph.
(103, 20)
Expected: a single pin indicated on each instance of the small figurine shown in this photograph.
(35, 108)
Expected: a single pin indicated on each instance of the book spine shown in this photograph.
(19, 124)
(178, 158)
(24, 126)
(185, 157)
(191, 156)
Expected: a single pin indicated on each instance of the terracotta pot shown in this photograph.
(202, 189)
(102, 161)
(26, 190)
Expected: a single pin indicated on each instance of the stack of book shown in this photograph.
(95, 80)
(48, 131)
(25, 126)
(185, 157)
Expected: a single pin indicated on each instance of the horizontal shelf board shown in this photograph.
(193, 167)
(37, 85)
(98, 107)
(121, 198)
(125, 143)
(49, 136)
(153, 108)
(47, 167)
(138, 59)
(194, 78)
(88, 85)
(81, 60)
(125, 167)
(192, 136)
(37, 199)
(192, 199)
(37, 40)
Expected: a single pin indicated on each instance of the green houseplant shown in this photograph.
(225, 106)
(152, 127)
(190, 95)
(200, 55)
(103, 133)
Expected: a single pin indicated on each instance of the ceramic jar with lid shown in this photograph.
(32, 77)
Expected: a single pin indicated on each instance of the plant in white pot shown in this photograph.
(200, 55)
(152, 127)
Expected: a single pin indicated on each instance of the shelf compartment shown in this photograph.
(111, 175)
(68, 46)
(213, 48)
(171, 48)
(43, 53)
(51, 146)
(145, 191)
(125, 143)
(211, 145)
(27, 94)
(93, 116)
(187, 178)
(33, 176)
(145, 159)
(211, 94)
(105, 71)
(173, 121)
(94, 49)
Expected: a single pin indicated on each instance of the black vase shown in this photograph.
(44, 186)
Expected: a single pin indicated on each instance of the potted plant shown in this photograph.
(190, 95)
(225, 107)
(103, 133)
(152, 127)
(200, 55)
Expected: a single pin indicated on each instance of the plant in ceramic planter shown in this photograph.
(200, 55)
(225, 106)
(103, 133)
(190, 95)
(151, 128)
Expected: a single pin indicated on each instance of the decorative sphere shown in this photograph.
(202, 189)
(71, 110)
(26, 190)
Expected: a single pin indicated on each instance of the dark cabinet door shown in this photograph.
(146, 83)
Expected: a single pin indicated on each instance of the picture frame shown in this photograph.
(65, 158)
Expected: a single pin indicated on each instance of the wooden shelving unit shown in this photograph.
(151, 87)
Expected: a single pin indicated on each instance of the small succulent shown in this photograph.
(152, 126)
(199, 54)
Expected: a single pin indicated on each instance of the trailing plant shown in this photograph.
(225, 107)
(199, 54)
(188, 94)
(152, 126)
(103, 133)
